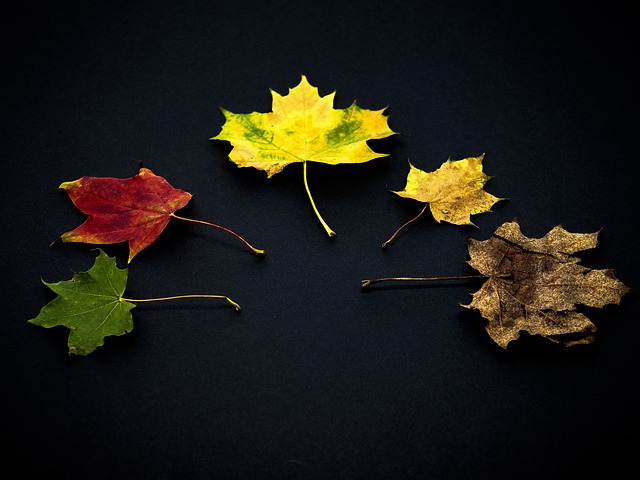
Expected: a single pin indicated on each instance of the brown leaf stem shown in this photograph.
(257, 251)
(177, 297)
(330, 232)
(366, 283)
(407, 223)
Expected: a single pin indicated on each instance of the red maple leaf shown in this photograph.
(135, 209)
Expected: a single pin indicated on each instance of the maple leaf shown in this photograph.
(135, 209)
(92, 307)
(453, 192)
(535, 285)
(303, 127)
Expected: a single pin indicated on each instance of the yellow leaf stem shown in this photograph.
(327, 228)
(177, 297)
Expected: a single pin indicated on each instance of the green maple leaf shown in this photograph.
(92, 307)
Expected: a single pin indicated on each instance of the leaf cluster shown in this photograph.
(532, 285)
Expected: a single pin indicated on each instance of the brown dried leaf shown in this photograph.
(535, 285)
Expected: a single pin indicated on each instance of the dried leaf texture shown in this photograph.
(535, 285)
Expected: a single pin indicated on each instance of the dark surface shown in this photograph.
(316, 378)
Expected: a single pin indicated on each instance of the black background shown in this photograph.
(316, 378)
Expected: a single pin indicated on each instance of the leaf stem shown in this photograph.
(177, 297)
(366, 283)
(330, 232)
(407, 223)
(257, 251)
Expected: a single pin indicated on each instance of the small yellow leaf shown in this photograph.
(454, 191)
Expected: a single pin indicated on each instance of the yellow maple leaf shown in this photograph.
(453, 192)
(303, 127)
